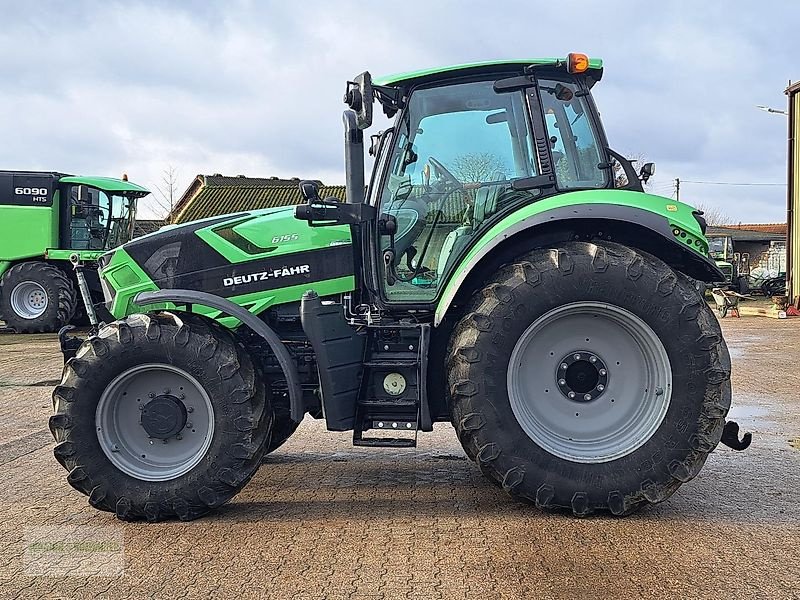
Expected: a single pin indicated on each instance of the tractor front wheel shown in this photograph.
(589, 377)
(160, 416)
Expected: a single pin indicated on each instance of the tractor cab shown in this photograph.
(464, 152)
(470, 145)
(720, 249)
(97, 213)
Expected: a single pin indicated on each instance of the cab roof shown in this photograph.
(595, 68)
(108, 184)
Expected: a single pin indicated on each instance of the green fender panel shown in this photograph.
(663, 215)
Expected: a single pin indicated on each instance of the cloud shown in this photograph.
(255, 87)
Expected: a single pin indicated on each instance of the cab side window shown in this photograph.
(574, 142)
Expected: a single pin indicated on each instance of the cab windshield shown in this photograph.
(454, 155)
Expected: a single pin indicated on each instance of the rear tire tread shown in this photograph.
(483, 317)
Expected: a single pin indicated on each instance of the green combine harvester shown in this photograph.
(491, 276)
(53, 227)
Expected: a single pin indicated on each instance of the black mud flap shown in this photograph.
(69, 343)
(730, 436)
(339, 350)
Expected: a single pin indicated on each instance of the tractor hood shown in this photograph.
(254, 257)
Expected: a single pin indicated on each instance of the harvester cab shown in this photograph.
(503, 271)
(49, 223)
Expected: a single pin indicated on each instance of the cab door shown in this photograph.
(454, 153)
(85, 217)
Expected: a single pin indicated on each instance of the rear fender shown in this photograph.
(657, 225)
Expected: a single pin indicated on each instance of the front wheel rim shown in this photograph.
(29, 300)
(155, 422)
(589, 417)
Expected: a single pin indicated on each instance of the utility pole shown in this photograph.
(677, 189)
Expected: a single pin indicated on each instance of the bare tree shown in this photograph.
(478, 166)
(714, 216)
(167, 191)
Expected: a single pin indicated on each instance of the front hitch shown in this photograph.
(730, 436)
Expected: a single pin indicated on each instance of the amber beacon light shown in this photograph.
(577, 62)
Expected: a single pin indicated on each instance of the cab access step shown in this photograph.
(372, 378)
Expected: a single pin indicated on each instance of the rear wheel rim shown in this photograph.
(155, 422)
(617, 392)
(29, 300)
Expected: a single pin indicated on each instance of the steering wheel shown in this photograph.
(441, 170)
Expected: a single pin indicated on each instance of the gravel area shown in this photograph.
(322, 519)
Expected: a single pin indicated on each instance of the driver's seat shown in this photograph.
(486, 200)
(485, 206)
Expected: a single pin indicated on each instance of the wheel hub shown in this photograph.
(163, 417)
(582, 376)
(29, 299)
(146, 434)
(555, 374)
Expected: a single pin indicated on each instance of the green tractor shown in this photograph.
(489, 276)
(53, 227)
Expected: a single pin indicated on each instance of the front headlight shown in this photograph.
(105, 259)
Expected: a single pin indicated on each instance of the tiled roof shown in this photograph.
(764, 227)
(144, 226)
(211, 195)
(218, 180)
(750, 232)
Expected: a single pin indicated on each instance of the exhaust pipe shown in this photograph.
(353, 158)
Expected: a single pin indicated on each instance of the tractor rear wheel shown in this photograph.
(37, 297)
(160, 416)
(589, 378)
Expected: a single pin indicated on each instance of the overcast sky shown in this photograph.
(255, 88)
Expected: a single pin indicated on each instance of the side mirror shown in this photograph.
(647, 171)
(359, 97)
(309, 190)
(314, 209)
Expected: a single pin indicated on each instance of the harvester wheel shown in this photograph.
(37, 297)
(160, 416)
(591, 377)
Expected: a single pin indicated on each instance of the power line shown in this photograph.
(726, 183)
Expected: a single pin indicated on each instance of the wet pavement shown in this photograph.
(322, 519)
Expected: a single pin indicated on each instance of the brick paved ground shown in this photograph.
(324, 520)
